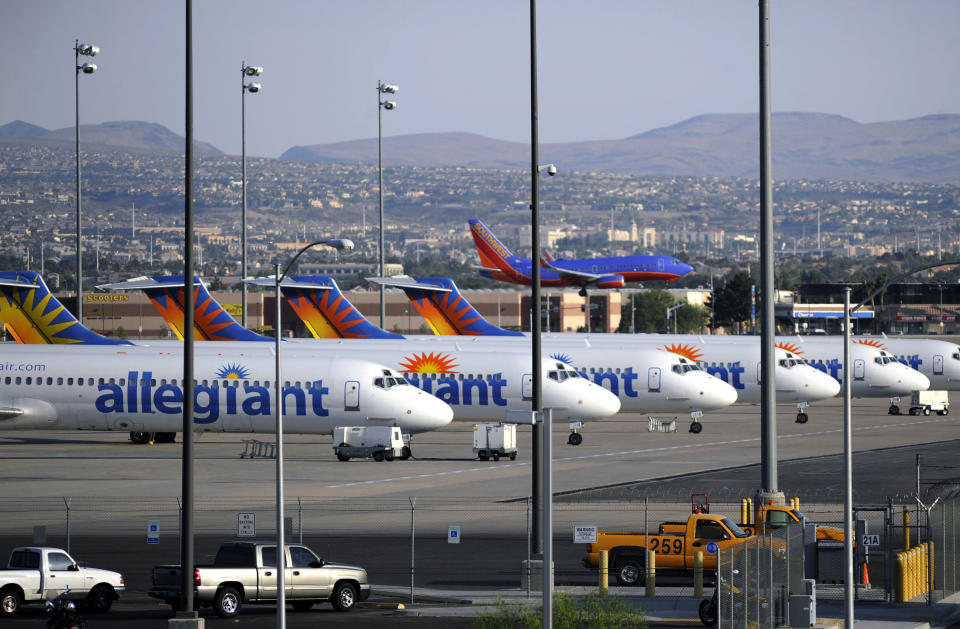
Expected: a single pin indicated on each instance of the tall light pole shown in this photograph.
(339, 245)
(382, 88)
(88, 50)
(253, 88)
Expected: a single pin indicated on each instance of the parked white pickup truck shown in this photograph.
(38, 573)
(246, 572)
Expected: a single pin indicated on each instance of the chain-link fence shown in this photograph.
(760, 577)
(944, 566)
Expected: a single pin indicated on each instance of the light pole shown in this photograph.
(339, 245)
(88, 50)
(253, 88)
(382, 88)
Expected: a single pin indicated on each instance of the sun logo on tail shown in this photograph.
(564, 358)
(793, 348)
(871, 342)
(687, 351)
(233, 372)
(429, 363)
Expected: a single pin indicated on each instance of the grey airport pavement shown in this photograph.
(362, 507)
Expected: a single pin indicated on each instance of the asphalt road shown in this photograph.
(359, 512)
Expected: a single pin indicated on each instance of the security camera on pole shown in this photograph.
(382, 88)
(88, 50)
(253, 88)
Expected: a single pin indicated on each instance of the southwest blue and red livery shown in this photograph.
(498, 263)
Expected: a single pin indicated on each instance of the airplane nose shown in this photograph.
(426, 412)
(725, 395)
(822, 386)
(599, 404)
(916, 380)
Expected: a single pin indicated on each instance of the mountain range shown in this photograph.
(805, 146)
(126, 133)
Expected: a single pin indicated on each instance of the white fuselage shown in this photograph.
(644, 380)
(134, 388)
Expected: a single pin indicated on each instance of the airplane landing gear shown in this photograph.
(802, 418)
(575, 437)
(583, 291)
(894, 406)
(696, 427)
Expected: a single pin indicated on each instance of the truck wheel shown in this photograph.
(388, 456)
(707, 612)
(406, 453)
(483, 456)
(342, 457)
(630, 572)
(141, 438)
(378, 456)
(10, 602)
(496, 456)
(100, 599)
(943, 412)
(227, 602)
(344, 597)
(926, 410)
(513, 456)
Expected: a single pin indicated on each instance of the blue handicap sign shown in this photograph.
(712, 548)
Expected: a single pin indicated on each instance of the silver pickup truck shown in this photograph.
(245, 572)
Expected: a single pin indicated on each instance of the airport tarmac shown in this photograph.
(42, 467)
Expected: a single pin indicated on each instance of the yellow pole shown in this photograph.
(698, 574)
(744, 511)
(604, 573)
(750, 511)
(651, 574)
(906, 527)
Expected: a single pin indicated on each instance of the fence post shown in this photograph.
(529, 557)
(698, 574)
(604, 572)
(651, 573)
(413, 530)
(67, 502)
(300, 518)
(906, 526)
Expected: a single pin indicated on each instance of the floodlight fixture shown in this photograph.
(388, 88)
(88, 68)
(389, 104)
(88, 50)
(253, 70)
(253, 88)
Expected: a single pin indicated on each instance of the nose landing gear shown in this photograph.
(575, 437)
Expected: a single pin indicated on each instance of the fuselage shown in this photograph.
(137, 388)
(630, 268)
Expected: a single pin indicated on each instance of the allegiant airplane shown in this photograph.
(498, 263)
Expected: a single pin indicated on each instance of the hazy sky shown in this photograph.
(607, 69)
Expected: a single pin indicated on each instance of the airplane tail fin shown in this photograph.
(547, 256)
(326, 312)
(30, 312)
(446, 310)
(493, 254)
(211, 322)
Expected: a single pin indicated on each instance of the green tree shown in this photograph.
(731, 302)
(649, 311)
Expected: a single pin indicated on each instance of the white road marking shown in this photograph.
(507, 466)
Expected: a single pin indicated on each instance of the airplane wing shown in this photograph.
(17, 283)
(143, 283)
(405, 281)
(9, 412)
(583, 275)
(287, 282)
(480, 267)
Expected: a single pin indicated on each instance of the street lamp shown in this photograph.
(253, 88)
(338, 244)
(382, 88)
(87, 50)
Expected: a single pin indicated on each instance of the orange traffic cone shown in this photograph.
(866, 575)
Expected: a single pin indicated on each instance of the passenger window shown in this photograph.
(59, 381)
(59, 562)
(29, 380)
(69, 381)
(50, 381)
